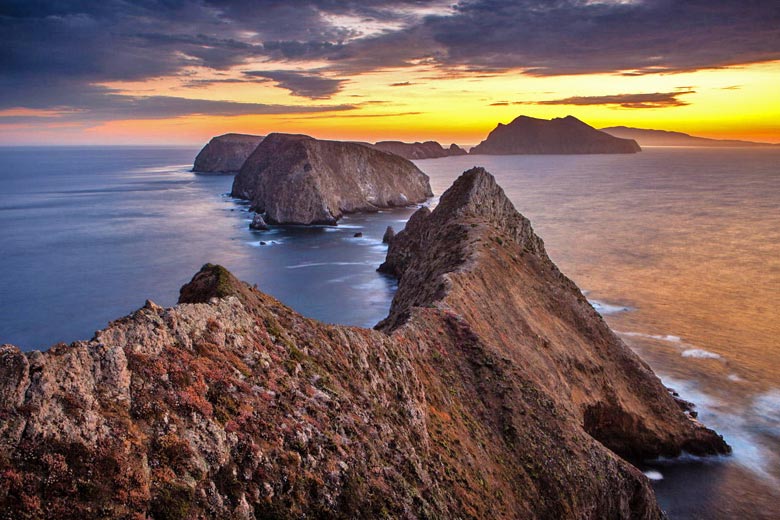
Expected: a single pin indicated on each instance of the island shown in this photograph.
(647, 137)
(426, 150)
(567, 135)
(226, 153)
(296, 179)
(492, 390)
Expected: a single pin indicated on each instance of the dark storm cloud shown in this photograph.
(650, 100)
(52, 54)
(300, 83)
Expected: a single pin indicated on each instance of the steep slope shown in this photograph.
(296, 179)
(226, 153)
(426, 150)
(646, 137)
(491, 391)
(568, 135)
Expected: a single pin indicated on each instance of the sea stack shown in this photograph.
(568, 135)
(426, 150)
(226, 153)
(296, 179)
(492, 390)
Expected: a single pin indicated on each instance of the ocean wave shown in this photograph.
(321, 264)
(699, 353)
(606, 308)
(667, 337)
(653, 474)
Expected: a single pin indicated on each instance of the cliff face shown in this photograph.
(568, 135)
(426, 150)
(296, 179)
(492, 390)
(226, 153)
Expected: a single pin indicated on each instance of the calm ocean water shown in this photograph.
(678, 248)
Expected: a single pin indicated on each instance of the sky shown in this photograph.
(181, 71)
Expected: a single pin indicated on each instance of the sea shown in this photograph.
(678, 248)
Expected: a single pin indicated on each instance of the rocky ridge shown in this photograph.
(426, 150)
(492, 389)
(226, 153)
(567, 135)
(296, 179)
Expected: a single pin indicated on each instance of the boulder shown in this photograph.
(258, 223)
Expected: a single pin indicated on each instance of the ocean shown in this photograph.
(678, 248)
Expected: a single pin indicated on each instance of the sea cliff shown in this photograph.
(492, 390)
(296, 179)
(225, 153)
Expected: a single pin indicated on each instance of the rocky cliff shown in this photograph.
(296, 179)
(426, 150)
(568, 135)
(226, 153)
(492, 390)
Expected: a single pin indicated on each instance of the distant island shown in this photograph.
(647, 137)
(297, 179)
(426, 150)
(226, 153)
(567, 135)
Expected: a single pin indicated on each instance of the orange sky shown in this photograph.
(392, 71)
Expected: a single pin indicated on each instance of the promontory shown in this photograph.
(567, 135)
(225, 153)
(492, 390)
(296, 179)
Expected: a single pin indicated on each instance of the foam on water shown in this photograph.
(654, 474)
(699, 353)
(607, 308)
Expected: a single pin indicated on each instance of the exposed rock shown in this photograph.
(358, 234)
(568, 135)
(226, 153)
(646, 137)
(258, 223)
(389, 234)
(426, 150)
(493, 390)
(296, 179)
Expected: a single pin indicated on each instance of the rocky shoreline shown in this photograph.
(492, 389)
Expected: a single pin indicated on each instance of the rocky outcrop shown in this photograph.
(426, 150)
(647, 137)
(296, 179)
(226, 153)
(258, 223)
(492, 390)
(568, 135)
(389, 234)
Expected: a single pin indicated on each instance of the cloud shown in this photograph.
(57, 54)
(653, 100)
(300, 83)
(402, 84)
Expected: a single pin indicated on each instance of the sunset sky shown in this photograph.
(181, 71)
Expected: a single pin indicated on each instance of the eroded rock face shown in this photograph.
(493, 390)
(567, 135)
(426, 150)
(226, 153)
(296, 179)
